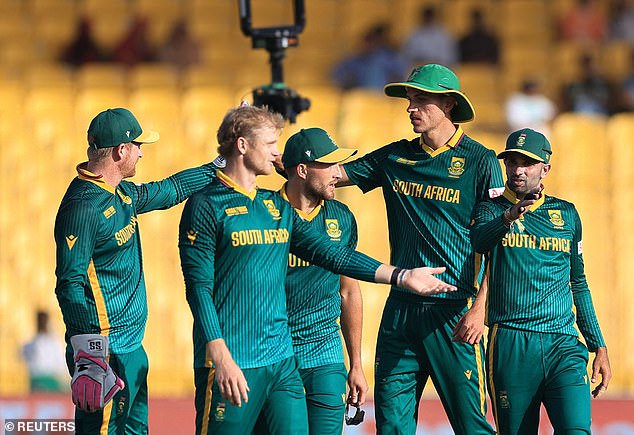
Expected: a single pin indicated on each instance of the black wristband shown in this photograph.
(395, 273)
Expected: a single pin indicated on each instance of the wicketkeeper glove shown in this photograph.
(94, 383)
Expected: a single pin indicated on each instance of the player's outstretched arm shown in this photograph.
(421, 280)
(601, 366)
(229, 377)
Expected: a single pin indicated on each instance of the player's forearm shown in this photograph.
(203, 310)
(72, 303)
(352, 319)
(484, 236)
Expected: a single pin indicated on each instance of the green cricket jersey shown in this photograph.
(534, 267)
(312, 293)
(234, 247)
(429, 195)
(100, 286)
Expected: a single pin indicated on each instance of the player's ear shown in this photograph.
(241, 145)
(545, 170)
(302, 170)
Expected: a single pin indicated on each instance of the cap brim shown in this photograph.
(462, 112)
(337, 156)
(524, 152)
(148, 136)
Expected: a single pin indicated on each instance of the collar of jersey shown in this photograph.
(306, 216)
(510, 195)
(227, 181)
(451, 144)
(85, 174)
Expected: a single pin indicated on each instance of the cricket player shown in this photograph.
(536, 276)
(100, 285)
(234, 243)
(316, 298)
(430, 185)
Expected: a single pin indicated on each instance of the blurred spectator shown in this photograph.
(44, 357)
(376, 63)
(134, 47)
(584, 23)
(430, 42)
(83, 48)
(180, 49)
(622, 21)
(591, 93)
(626, 90)
(529, 107)
(479, 44)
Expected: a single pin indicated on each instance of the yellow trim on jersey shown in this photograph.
(494, 332)
(100, 302)
(451, 143)
(480, 366)
(510, 195)
(204, 427)
(105, 422)
(306, 216)
(476, 270)
(85, 174)
(227, 181)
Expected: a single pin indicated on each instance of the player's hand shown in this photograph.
(470, 327)
(229, 377)
(421, 280)
(601, 366)
(94, 383)
(519, 208)
(358, 386)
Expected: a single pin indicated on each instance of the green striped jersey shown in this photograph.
(100, 286)
(536, 268)
(429, 196)
(234, 247)
(312, 293)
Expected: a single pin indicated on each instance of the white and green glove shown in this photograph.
(94, 383)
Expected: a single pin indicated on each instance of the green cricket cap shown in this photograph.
(435, 79)
(113, 127)
(529, 142)
(313, 145)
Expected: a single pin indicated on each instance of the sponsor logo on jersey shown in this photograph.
(556, 218)
(125, 198)
(405, 161)
(109, 212)
(191, 236)
(126, 233)
(495, 192)
(70, 241)
(270, 206)
(579, 247)
(220, 411)
(503, 399)
(234, 211)
(332, 229)
(467, 373)
(456, 167)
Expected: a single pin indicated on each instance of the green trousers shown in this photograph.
(127, 412)
(414, 344)
(277, 403)
(325, 397)
(526, 369)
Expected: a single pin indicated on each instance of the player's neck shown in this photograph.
(109, 174)
(240, 174)
(298, 198)
(439, 136)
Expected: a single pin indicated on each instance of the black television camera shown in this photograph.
(277, 96)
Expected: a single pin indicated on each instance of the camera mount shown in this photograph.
(277, 96)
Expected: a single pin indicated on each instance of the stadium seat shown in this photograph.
(152, 74)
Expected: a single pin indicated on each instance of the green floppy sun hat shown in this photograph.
(436, 79)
